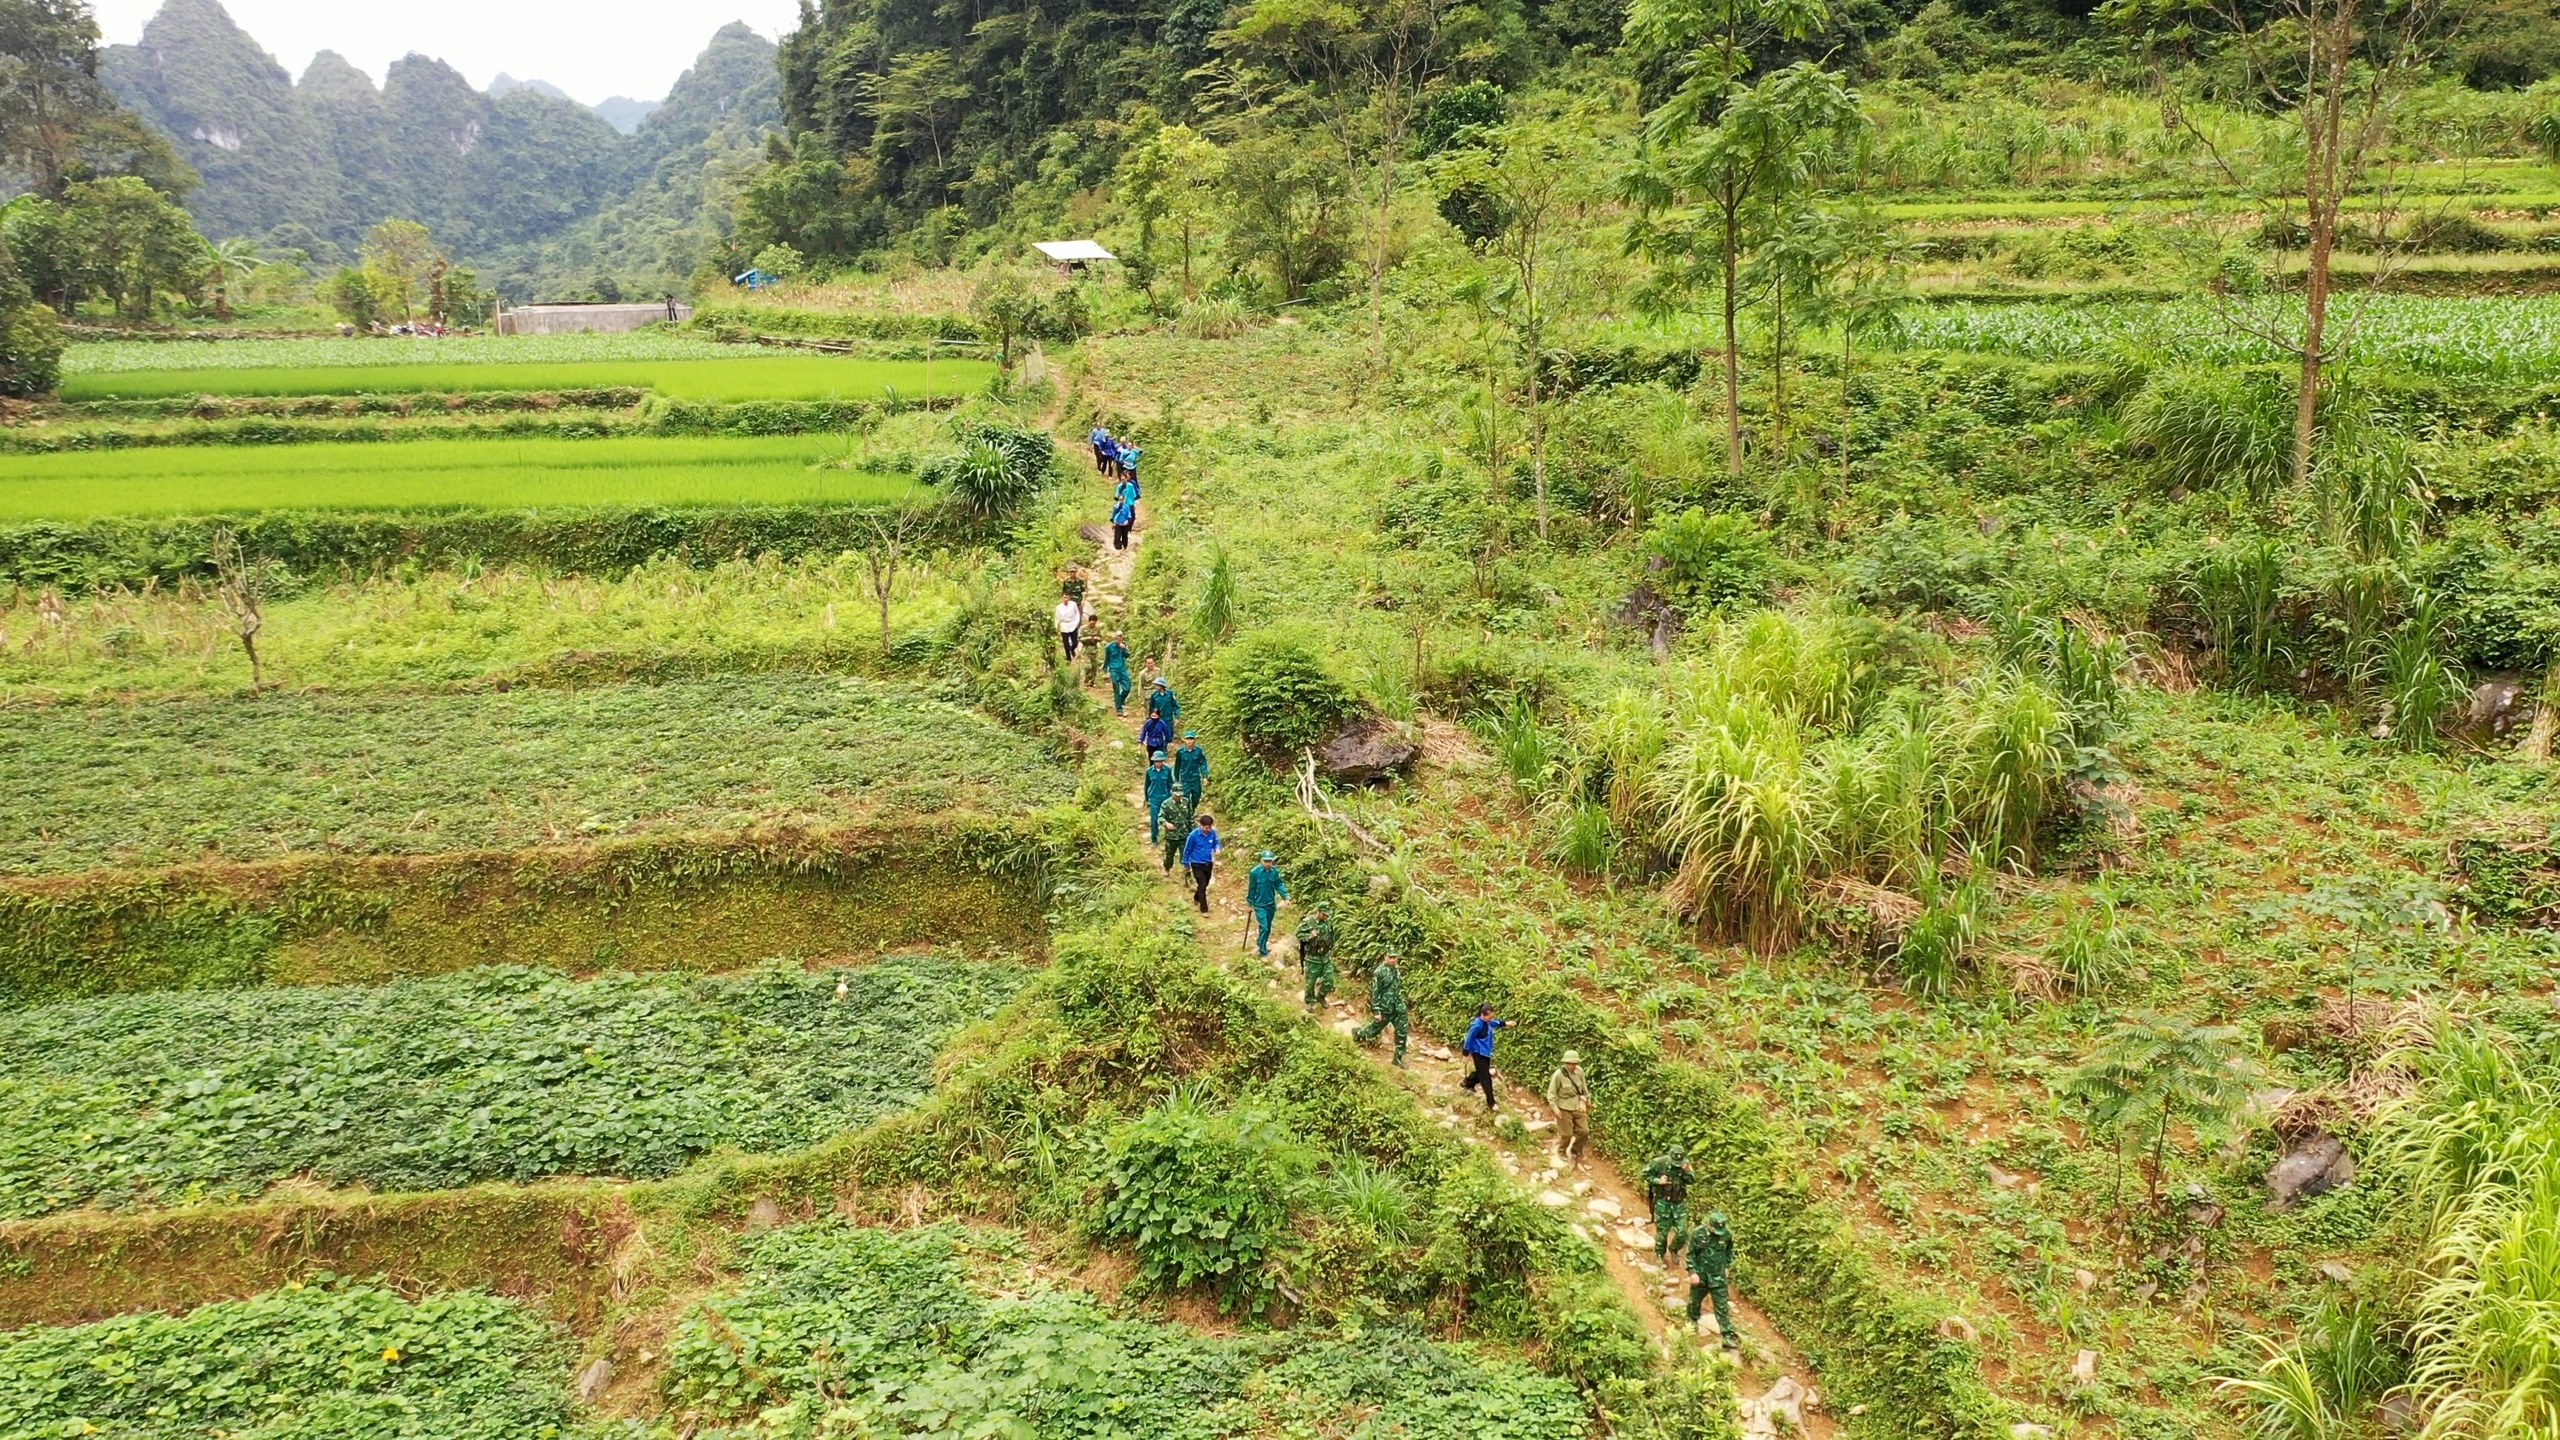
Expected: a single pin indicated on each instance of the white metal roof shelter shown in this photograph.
(1073, 252)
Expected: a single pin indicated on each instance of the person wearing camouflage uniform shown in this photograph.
(1315, 956)
(1710, 1263)
(1386, 1006)
(1667, 1179)
(1175, 822)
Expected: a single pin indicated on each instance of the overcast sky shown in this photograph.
(590, 48)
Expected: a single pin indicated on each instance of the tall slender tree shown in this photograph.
(1719, 178)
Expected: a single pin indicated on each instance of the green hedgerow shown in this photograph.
(1279, 694)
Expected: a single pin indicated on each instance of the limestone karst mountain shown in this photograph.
(512, 179)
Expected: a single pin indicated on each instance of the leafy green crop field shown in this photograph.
(875, 1332)
(676, 367)
(2454, 335)
(436, 474)
(503, 1073)
(258, 777)
(303, 1362)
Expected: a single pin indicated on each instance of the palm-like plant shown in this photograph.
(2153, 1070)
(228, 263)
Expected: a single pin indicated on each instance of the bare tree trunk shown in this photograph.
(1732, 345)
(2323, 114)
(1538, 443)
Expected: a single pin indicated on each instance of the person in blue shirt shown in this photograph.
(1263, 892)
(1160, 701)
(1115, 663)
(1479, 1052)
(1120, 460)
(1200, 854)
(1129, 468)
(1156, 736)
(1128, 489)
(1124, 513)
(1104, 451)
(1159, 790)
(1191, 766)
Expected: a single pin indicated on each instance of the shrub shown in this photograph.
(1711, 561)
(1279, 695)
(1202, 1196)
(996, 471)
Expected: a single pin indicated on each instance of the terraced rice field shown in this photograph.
(439, 474)
(680, 369)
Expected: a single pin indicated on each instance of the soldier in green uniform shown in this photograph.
(1176, 822)
(1386, 1006)
(1667, 1179)
(1315, 956)
(1710, 1261)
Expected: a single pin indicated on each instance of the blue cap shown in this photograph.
(1190, 734)
(1155, 754)
(1267, 855)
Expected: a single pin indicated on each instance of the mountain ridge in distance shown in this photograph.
(514, 181)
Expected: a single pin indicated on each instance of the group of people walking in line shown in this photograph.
(1177, 779)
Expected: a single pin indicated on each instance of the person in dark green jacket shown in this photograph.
(1710, 1263)
(1115, 663)
(1191, 766)
(1160, 701)
(1315, 956)
(1159, 790)
(1178, 811)
(1386, 1006)
(1263, 892)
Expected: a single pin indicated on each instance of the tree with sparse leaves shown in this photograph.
(2154, 1070)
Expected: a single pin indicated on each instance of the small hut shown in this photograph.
(1072, 257)
(607, 319)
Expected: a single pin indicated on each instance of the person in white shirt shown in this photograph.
(1070, 616)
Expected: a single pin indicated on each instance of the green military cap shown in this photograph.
(1267, 855)
(1190, 734)
(1715, 1219)
(1679, 1152)
(1155, 754)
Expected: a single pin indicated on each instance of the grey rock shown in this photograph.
(593, 1379)
(2494, 707)
(764, 1214)
(2317, 1164)
(1366, 750)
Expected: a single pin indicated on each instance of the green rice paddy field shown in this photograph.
(437, 474)
(676, 367)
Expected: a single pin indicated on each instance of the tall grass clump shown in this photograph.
(2476, 1148)
(1804, 750)
(2200, 429)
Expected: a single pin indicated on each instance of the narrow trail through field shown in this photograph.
(1603, 1206)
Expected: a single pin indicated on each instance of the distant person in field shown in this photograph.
(1200, 852)
(1315, 956)
(1159, 790)
(1070, 618)
(1115, 663)
(1263, 892)
(1667, 1178)
(1191, 766)
(1104, 452)
(1124, 513)
(1129, 469)
(1569, 1095)
(1710, 1264)
(1177, 827)
(1386, 1006)
(1478, 1048)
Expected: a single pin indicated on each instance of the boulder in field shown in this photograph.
(1365, 750)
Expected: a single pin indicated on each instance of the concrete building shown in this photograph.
(603, 319)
